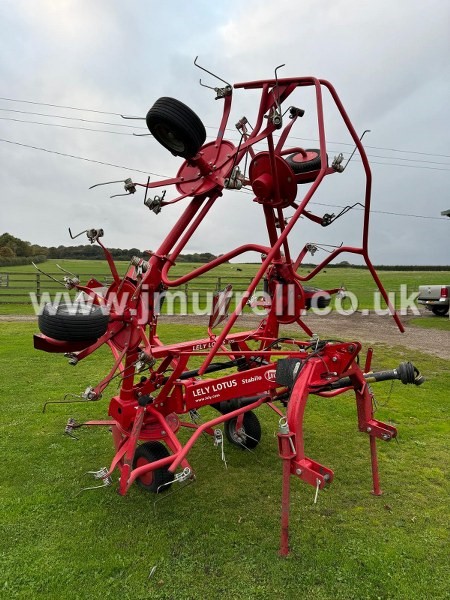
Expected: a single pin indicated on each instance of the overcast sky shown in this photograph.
(389, 62)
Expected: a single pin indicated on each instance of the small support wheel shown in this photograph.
(73, 323)
(249, 436)
(307, 166)
(176, 127)
(152, 480)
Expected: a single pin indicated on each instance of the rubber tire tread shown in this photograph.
(322, 302)
(73, 327)
(304, 167)
(153, 451)
(182, 120)
(439, 311)
(252, 427)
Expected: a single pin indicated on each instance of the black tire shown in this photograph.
(176, 127)
(73, 323)
(322, 300)
(153, 480)
(299, 165)
(250, 434)
(440, 311)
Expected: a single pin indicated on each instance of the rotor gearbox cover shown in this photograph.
(218, 157)
(275, 189)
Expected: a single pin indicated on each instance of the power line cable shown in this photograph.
(382, 212)
(228, 129)
(355, 208)
(374, 162)
(421, 166)
(375, 147)
(28, 112)
(64, 126)
(166, 176)
(100, 112)
(100, 162)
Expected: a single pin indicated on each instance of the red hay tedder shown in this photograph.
(158, 382)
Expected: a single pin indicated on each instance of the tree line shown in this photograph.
(14, 251)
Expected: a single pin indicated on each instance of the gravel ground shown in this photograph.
(369, 329)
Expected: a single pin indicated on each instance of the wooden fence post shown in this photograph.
(38, 287)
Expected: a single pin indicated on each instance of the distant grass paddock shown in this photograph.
(357, 281)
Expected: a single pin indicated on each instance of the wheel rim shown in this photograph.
(299, 158)
(75, 310)
(146, 478)
(238, 435)
(168, 138)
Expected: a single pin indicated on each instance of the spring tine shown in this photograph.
(100, 474)
(97, 185)
(65, 270)
(206, 86)
(186, 484)
(276, 85)
(92, 487)
(317, 491)
(146, 189)
(47, 275)
(78, 234)
(210, 73)
(355, 148)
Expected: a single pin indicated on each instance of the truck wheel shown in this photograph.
(176, 127)
(248, 436)
(73, 322)
(440, 311)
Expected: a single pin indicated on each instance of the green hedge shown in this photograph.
(13, 261)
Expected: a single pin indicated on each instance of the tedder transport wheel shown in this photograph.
(440, 311)
(176, 127)
(153, 480)
(302, 165)
(73, 323)
(247, 437)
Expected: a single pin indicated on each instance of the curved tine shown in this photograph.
(206, 86)
(133, 118)
(210, 73)
(77, 235)
(65, 270)
(103, 183)
(277, 69)
(355, 148)
(276, 84)
(47, 275)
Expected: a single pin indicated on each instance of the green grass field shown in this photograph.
(431, 322)
(218, 538)
(357, 281)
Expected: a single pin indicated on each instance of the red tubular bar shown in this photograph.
(183, 453)
(211, 265)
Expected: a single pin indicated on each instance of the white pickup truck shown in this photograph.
(435, 298)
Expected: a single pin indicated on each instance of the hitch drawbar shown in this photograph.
(288, 370)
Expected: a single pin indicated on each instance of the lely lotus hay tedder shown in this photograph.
(164, 386)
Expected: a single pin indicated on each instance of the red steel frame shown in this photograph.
(168, 389)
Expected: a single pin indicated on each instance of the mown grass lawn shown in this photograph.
(431, 322)
(218, 538)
